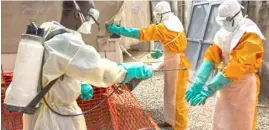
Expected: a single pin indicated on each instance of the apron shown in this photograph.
(236, 103)
(175, 85)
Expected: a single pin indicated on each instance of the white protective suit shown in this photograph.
(67, 54)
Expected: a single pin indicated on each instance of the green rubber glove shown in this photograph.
(202, 76)
(156, 53)
(136, 70)
(217, 83)
(86, 91)
(128, 32)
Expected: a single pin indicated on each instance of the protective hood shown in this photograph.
(250, 26)
(173, 23)
(247, 26)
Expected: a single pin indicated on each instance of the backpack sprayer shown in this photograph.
(23, 93)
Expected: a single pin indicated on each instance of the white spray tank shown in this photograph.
(26, 74)
(26, 90)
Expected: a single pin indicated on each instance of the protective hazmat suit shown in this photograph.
(238, 44)
(67, 54)
(67, 57)
(171, 34)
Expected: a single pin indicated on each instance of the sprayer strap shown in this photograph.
(55, 32)
(42, 93)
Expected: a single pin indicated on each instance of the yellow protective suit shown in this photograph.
(236, 103)
(175, 82)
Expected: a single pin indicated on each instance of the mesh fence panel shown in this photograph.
(121, 111)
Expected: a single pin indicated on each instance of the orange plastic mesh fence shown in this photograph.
(13, 120)
(120, 112)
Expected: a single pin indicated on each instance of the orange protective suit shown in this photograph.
(242, 54)
(175, 82)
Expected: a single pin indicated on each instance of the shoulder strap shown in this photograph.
(40, 95)
(55, 32)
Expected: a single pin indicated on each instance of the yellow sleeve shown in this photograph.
(152, 32)
(246, 57)
(213, 54)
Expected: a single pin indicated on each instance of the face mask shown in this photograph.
(228, 23)
(229, 26)
(87, 22)
(157, 17)
(86, 26)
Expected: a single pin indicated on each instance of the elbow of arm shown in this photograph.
(234, 71)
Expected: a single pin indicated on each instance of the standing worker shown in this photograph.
(238, 44)
(171, 34)
(66, 54)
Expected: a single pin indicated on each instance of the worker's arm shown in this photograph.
(69, 55)
(212, 58)
(213, 55)
(87, 65)
(246, 57)
(150, 33)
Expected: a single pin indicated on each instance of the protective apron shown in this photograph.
(236, 103)
(175, 82)
(175, 85)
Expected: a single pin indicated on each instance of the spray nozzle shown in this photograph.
(32, 28)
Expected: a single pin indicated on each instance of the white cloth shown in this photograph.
(162, 7)
(67, 54)
(234, 37)
(173, 23)
(230, 16)
(162, 11)
(229, 8)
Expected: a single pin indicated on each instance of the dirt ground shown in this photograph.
(150, 94)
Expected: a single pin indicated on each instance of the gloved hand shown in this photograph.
(128, 32)
(86, 91)
(195, 89)
(136, 70)
(217, 83)
(200, 98)
(201, 78)
(156, 53)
